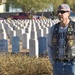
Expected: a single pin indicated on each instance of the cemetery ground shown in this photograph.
(21, 64)
(19, 47)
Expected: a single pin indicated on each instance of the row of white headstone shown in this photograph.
(32, 33)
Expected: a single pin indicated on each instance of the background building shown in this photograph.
(2, 6)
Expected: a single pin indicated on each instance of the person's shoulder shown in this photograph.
(72, 21)
(55, 25)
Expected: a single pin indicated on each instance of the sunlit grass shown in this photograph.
(18, 64)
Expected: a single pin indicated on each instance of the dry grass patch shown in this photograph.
(18, 64)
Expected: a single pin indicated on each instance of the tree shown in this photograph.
(36, 5)
(55, 3)
(29, 5)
